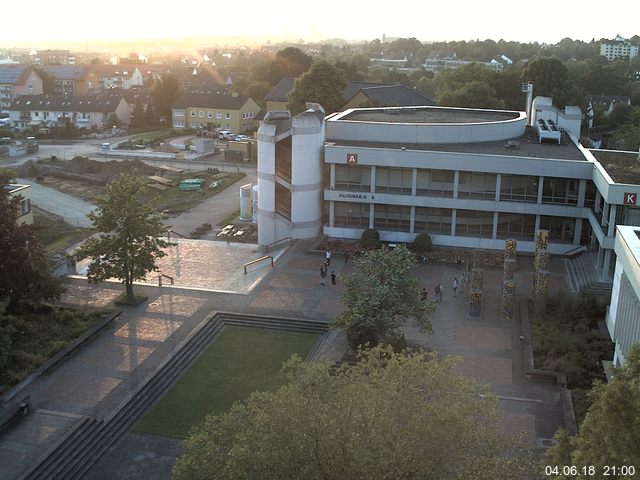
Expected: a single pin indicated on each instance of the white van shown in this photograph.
(224, 134)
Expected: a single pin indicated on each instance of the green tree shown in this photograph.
(391, 416)
(23, 260)
(292, 62)
(550, 78)
(627, 138)
(322, 84)
(421, 245)
(129, 241)
(621, 113)
(164, 93)
(475, 94)
(610, 433)
(370, 239)
(48, 80)
(381, 294)
(137, 115)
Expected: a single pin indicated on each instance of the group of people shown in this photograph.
(460, 284)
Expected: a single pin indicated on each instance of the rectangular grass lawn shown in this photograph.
(238, 362)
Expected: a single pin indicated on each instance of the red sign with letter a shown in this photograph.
(630, 198)
(352, 158)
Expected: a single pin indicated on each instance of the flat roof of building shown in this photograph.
(426, 115)
(622, 167)
(525, 146)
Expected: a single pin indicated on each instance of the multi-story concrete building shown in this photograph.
(467, 177)
(118, 76)
(17, 80)
(448, 62)
(623, 315)
(618, 48)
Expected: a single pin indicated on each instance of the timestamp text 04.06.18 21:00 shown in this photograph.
(590, 471)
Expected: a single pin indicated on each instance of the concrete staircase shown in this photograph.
(583, 277)
(74, 454)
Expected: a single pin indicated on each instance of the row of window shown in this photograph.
(219, 115)
(438, 221)
(473, 185)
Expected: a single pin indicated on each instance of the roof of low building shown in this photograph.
(67, 72)
(214, 100)
(622, 167)
(64, 103)
(13, 75)
(280, 93)
(394, 95)
(114, 70)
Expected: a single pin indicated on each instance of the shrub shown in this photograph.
(421, 245)
(370, 239)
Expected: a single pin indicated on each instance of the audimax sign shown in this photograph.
(355, 196)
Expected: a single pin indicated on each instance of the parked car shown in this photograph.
(224, 134)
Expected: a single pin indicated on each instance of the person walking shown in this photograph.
(425, 295)
(323, 274)
(438, 292)
(455, 287)
(327, 256)
(333, 280)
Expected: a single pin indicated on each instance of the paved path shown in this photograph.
(72, 209)
(97, 378)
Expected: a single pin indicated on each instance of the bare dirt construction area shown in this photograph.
(87, 179)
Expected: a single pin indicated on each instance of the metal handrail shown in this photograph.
(266, 247)
(256, 261)
(575, 251)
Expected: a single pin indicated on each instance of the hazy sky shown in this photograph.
(545, 21)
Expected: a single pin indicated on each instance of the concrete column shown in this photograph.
(605, 214)
(494, 234)
(412, 219)
(453, 222)
(604, 276)
(498, 186)
(332, 179)
(577, 231)
(537, 225)
(331, 214)
(596, 207)
(372, 212)
(540, 188)
(600, 257)
(414, 183)
(582, 192)
(373, 180)
(613, 209)
(456, 179)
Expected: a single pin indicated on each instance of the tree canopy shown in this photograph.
(130, 235)
(610, 432)
(381, 294)
(24, 266)
(164, 93)
(391, 416)
(322, 84)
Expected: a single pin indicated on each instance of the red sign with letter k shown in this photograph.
(630, 198)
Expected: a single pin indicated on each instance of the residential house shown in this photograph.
(17, 80)
(72, 79)
(83, 111)
(54, 57)
(235, 113)
(118, 76)
(201, 79)
(387, 96)
(608, 102)
(447, 62)
(355, 94)
(25, 215)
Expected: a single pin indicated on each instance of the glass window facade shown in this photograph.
(474, 223)
(560, 228)
(394, 180)
(433, 221)
(478, 185)
(283, 159)
(519, 188)
(354, 178)
(353, 215)
(562, 191)
(283, 201)
(435, 183)
(516, 225)
(392, 217)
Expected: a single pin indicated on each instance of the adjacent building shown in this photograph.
(118, 76)
(447, 62)
(235, 113)
(25, 215)
(72, 79)
(83, 112)
(623, 315)
(17, 80)
(618, 48)
(467, 177)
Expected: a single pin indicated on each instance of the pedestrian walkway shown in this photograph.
(95, 381)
